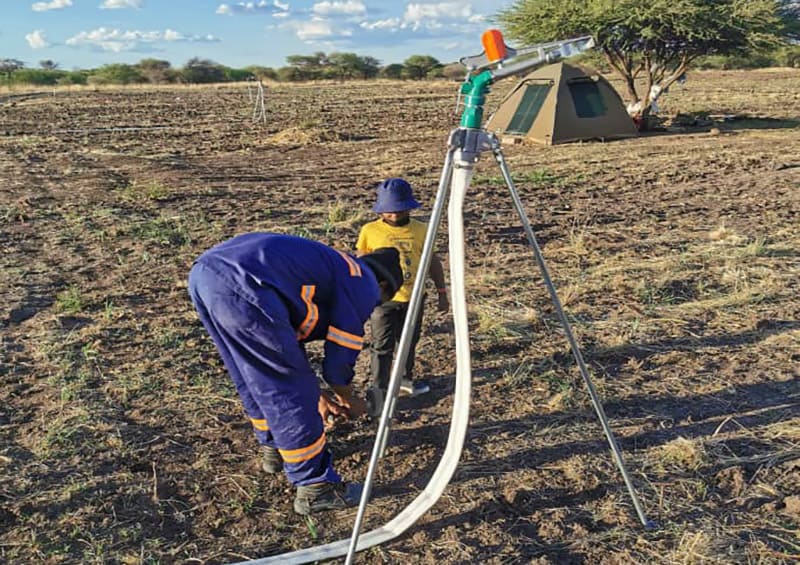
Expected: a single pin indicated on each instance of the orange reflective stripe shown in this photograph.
(304, 453)
(355, 268)
(312, 312)
(260, 425)
(348, 340)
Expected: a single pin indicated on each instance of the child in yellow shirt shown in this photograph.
(396, 228)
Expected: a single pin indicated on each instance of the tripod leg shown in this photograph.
(404, 346)
(573, 343)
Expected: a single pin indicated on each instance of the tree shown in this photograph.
(156, 71)
(655, 40)
(420, 66)
(350, 65)
(309, 67)
(262, 73)
(395, 70)
(199, 70)
(48, 65)
(238, 75)
(454, 71)
(117, 73)
(8, 66)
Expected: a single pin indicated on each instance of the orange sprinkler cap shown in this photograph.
(493, 45)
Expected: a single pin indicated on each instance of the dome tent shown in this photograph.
(561, 103)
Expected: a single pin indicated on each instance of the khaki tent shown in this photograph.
(560, 103)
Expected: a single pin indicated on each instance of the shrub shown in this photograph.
(116, 74)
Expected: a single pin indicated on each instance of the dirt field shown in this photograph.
(677, 256)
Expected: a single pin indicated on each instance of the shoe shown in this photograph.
(375, 399)
(271, 460)
(411, 388)
(326, 496)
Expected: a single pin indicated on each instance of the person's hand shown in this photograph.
(443, 304)
(328, 408)
(354, 406)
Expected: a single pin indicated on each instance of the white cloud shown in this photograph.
(37, 40)
(119, 4)
(436, 19)
(426, 13)
(53, 5)
(262, 6)
(347, 8)
(316, 30)
(117, 40)
(390, 24)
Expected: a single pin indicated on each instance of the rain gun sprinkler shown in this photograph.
(465, 145)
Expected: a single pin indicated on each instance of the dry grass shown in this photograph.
(676, 257)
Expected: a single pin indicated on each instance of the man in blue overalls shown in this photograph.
(261, 297)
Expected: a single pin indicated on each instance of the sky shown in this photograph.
(91, 33)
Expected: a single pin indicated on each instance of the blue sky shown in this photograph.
(91, 33)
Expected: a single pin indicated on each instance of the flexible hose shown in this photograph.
(461, 176)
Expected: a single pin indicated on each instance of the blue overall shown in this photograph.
(261, 296)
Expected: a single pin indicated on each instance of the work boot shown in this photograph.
(326, 496)
(375, 399)
(271, 460)
(412, 388)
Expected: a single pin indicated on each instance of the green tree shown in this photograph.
(238, 75)
(310, 67)
(40, 77)
(48, 65)
(262, 73)
(350, 65)
(202, 71)
(117, 73)
(395, 71)
(73, 77)
(292, 74)
(8, 66)
(420, 66)
(654, 42)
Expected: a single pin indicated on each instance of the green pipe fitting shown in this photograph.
(474, 90)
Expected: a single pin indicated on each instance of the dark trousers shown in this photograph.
(386, 325)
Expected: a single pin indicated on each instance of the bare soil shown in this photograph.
(677, 257)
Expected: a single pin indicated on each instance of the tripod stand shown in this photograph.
(465, 145)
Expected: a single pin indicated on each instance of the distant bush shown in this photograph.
(787, 56)
(116, 74)
(790, 56)
(262, 73)
(40, 77)
(418, 67)
(156, 71)
(237, 75)
(73, 77)
(394, 70)
(202, 71)
(454, 71)
(294, 74)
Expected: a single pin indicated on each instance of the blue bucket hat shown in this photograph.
(395, 195)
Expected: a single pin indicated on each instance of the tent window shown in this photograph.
(528, 108)
(587, 98)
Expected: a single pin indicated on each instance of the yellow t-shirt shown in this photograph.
(408, 240)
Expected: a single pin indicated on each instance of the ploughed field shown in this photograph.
(676, 255)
